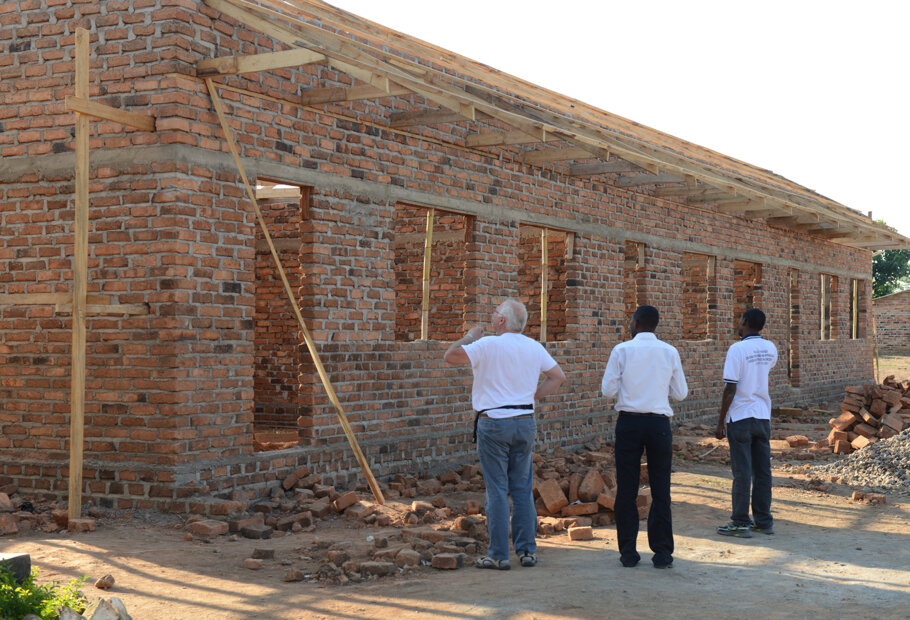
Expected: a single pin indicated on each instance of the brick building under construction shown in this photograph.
(406, 191)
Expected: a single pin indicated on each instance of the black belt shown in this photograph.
(642, 413)
(483, 412)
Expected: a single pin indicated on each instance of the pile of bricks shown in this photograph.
(576, 491)
(869, 413)
(21, 515)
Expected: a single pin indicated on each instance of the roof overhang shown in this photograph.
(507, 112)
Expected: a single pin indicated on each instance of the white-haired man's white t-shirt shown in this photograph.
(507, 370)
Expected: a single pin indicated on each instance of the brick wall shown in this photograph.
(172, 396)
(892, 322)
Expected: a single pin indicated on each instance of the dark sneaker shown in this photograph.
(528, 559)
(762, 530)
(668, 565)
(733, 529)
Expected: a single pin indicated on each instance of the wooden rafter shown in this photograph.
(425, 117)
(548, 155)
(106, 112)
(455, 83)
(233, 65)
(646, 179)
(338, 94)
(604, 167)
(506, 138)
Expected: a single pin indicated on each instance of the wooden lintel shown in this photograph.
(319, 96)
(741, 205)
(646, 179)
(425, 117)
(605, 167)
(546, 155)
(106, 112)
(271, 193)
(508, 137)
(111, 309)
(232, 65)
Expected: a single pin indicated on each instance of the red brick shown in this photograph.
(581, 533)
(446, 561)
(343, 501)
(551, 495)
(207, 527)
(590, 486)
(81, 525)
(606, 499)
(584, 508)
(797, 440)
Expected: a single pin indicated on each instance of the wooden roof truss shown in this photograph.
(536, 126)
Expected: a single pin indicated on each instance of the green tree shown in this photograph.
(890, 272)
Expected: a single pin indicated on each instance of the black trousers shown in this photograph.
(636, 434)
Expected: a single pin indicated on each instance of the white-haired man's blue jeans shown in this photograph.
(504, 447)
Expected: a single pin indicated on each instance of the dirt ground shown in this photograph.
(828, 555)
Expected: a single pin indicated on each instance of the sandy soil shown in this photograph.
(828, 556)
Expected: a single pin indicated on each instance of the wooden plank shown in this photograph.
(570, 245)
(106, 112)
(425, 293)
(424, 117)
(604, 167)
(106, 309)
(319, 96)
(80, 280)
(505, 138)
(547, 155)
(711, 196)
(311, 346)
(683, 191)
(544, 282)
(233, 65)
(272, 193)
(50, 299)
(647, 179)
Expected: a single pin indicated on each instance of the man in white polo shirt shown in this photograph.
(746, 411)
(641, 375)
(507, 368)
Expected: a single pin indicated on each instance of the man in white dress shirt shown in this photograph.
(641, 375)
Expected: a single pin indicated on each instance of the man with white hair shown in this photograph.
(507, 369)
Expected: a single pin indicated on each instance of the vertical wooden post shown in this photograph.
(330, 391)
(80, 279)
(544, 281)
(425, 298)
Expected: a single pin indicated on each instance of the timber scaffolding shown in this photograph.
(507, 118)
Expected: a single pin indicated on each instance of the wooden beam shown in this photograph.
(506, 138)
(741, 205)
(292, 298)
(272, 193)
(106, 112)
(425, 117)
(711, 196)
(80, 280)
(232, 65)
(683, 191)
(547, 155)
(425, 293)
(339, 94)
(604, 167)
(544, 281)
(646, 179)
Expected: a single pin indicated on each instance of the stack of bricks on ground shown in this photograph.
(870, 413)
